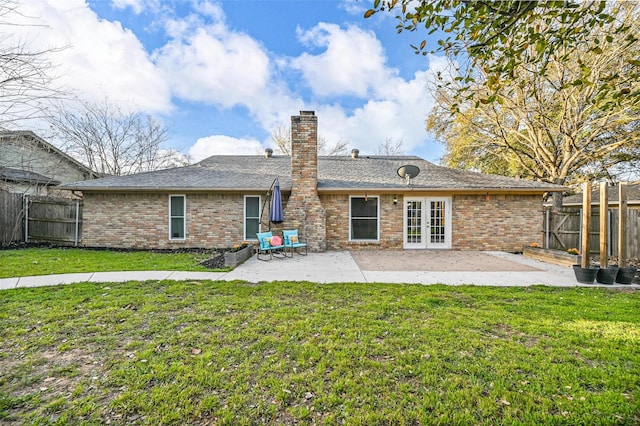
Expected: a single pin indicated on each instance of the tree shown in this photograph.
(389, 147)
(550, 127)
(112, 141)
(281, 137)
(25, 73)
(499, 37)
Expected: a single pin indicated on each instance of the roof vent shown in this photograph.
(355, 153)
(268, 153)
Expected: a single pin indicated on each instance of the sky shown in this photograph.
(222, 75)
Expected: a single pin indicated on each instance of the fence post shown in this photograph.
(547, 229)
(622, 225)
(77, 223)
(604, 228)
(26, 218)
(586, 220)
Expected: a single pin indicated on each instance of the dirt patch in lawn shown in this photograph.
(432, 260)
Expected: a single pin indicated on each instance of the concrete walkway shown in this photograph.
(335, 267)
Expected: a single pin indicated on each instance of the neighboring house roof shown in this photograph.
(14, 134)
(24, 176)
(335, 173)
(633, 196)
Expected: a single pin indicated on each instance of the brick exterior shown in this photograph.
(391, 217)
(141, 220)
(504, 222)
(304, 211)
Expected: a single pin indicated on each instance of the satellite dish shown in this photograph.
(408, 170)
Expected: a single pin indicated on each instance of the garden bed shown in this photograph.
(556, 257)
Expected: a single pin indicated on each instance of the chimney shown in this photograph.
(268, 153)
(304, 209)
(355, 153)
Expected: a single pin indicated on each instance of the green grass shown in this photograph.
(46, 261)
(201, 352)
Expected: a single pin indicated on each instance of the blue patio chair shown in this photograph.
(266, 248)
(293, 243)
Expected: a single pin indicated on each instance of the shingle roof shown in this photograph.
(26, 176)
(335, 173)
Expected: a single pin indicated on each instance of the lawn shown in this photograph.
(202, 352)
(46, 261)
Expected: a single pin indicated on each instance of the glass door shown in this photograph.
(427, 223)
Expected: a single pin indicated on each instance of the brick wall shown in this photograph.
(141, 220)
(337, 208)
(304, 210)
(504, 222)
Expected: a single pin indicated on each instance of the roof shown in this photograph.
(335, 173)
(31, 135)
(17, 175)
(633, 195)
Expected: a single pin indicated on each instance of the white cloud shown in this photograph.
(135, 5)
(223, 145)
(353, 62)
(101, 57)
(207, 62)
(400, 115)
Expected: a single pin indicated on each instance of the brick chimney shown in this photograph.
(304, 210)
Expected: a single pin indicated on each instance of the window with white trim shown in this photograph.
(251, 217)
(363, 218)
(177, 217)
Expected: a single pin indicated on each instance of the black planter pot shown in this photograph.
(607, 275)
(585, 275)
(625, 275)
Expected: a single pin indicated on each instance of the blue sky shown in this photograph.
(222, 75)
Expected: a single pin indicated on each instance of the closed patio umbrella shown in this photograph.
(276, 215)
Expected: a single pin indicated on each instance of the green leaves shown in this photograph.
(501, 35)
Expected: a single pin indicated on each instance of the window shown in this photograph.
(251, 216)
(177, 220)
(363, 218)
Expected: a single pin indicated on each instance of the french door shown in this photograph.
(427, 223)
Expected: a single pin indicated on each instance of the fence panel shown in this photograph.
(564, 231)
(56, 220)
(11, 218)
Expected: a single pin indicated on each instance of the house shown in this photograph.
(30, 165)
(347, 202)
(633, 197)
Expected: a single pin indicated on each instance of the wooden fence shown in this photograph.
(11, 218)
(562, 231)
(55, 220)
(28, 218)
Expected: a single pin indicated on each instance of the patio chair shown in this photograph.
(293, 243)
(266, 248)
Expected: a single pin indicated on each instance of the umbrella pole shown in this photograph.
(267, 197)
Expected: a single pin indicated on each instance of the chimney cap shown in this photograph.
(307, 113)
(355, 153)
(268, 152)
